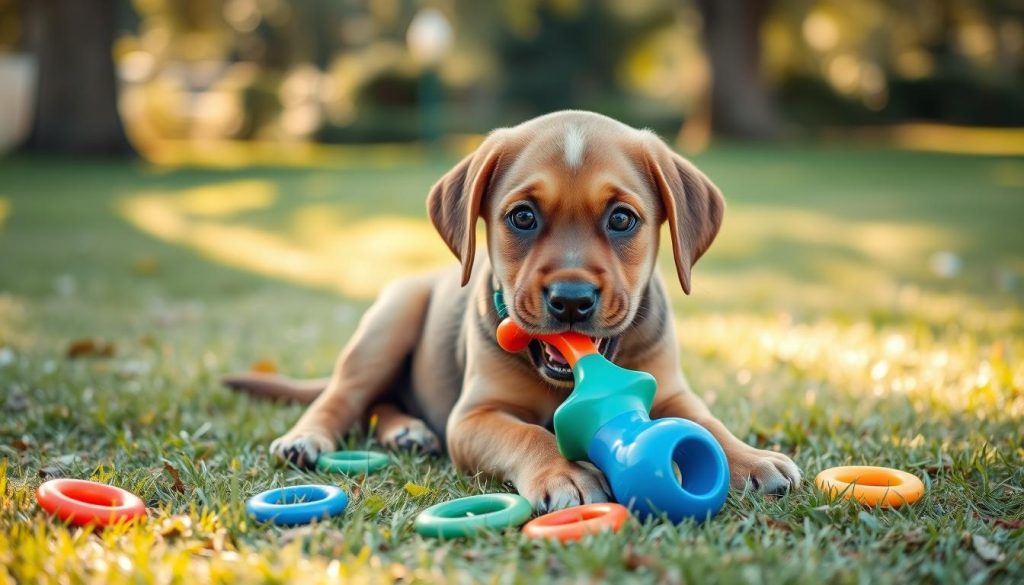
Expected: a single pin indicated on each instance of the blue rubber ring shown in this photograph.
(312, 502)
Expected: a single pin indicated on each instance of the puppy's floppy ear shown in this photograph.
(454, 201)
(693, 204)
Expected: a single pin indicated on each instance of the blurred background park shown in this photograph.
(873, 147)
(871, 151)
(84, 75)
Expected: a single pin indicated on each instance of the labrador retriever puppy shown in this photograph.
(573, 203)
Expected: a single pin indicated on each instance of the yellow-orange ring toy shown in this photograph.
(872, 486)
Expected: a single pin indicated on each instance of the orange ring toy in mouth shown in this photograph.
(872, 486)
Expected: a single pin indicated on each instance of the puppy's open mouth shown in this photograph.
(550, 362)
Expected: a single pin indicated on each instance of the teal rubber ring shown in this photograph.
(470, 515)
(352, 462)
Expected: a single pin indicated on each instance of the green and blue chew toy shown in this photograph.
(668, 466)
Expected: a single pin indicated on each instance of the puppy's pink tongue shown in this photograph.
(554, 355)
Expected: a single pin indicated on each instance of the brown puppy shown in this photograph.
(573, 203)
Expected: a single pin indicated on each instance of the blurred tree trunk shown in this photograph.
(741, 105)
(76, 102)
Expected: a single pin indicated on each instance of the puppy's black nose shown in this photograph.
(571, 302)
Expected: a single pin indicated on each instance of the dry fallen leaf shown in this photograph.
(776, 523)
(634, 560)
(1008, 523)
(90, 347)
(263, 366)
(178, 485)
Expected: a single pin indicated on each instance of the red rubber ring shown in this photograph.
(577, 522)
(80, 502)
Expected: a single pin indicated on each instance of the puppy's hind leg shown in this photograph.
(371, 361)
(398, 430)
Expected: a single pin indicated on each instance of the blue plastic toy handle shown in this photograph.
(641, 459)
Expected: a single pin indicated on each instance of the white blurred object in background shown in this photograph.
(429, 36)
(946, 264)
(17, 94)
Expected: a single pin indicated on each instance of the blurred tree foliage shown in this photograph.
(10, 25)
(340, 70)
(875, 61)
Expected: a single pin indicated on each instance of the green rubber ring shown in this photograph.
(352, 462)
(470, 515)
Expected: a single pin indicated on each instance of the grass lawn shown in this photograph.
(860, 307)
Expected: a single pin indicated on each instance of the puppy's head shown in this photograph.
(573, 203)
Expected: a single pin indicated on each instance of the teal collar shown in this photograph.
(499, 303)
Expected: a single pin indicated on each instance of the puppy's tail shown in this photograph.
(276, 387)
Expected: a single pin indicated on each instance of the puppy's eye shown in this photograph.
(522, 218)
(622, 220)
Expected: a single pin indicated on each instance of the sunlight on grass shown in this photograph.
(223, 200)
(836, 259)
(325, 247)
(5, 211)
(166, 550)
(946, 371)
(838, 285)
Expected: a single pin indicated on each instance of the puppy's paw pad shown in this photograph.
(301, 448)
(767, 472)
(563, 486)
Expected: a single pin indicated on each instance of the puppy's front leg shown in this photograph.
(767, 471)
(501, 440)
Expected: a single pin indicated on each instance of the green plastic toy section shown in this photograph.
(603, 391)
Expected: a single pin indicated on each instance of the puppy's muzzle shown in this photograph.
(571, 301)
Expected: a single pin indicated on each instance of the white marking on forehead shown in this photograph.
(574, 145)
(572, 258)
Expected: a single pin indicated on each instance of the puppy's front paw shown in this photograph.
(301, 447)
(563, 484)
(766, 471)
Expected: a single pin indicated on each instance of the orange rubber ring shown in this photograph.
(79, 502)
(872, 486)
(575, 523)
